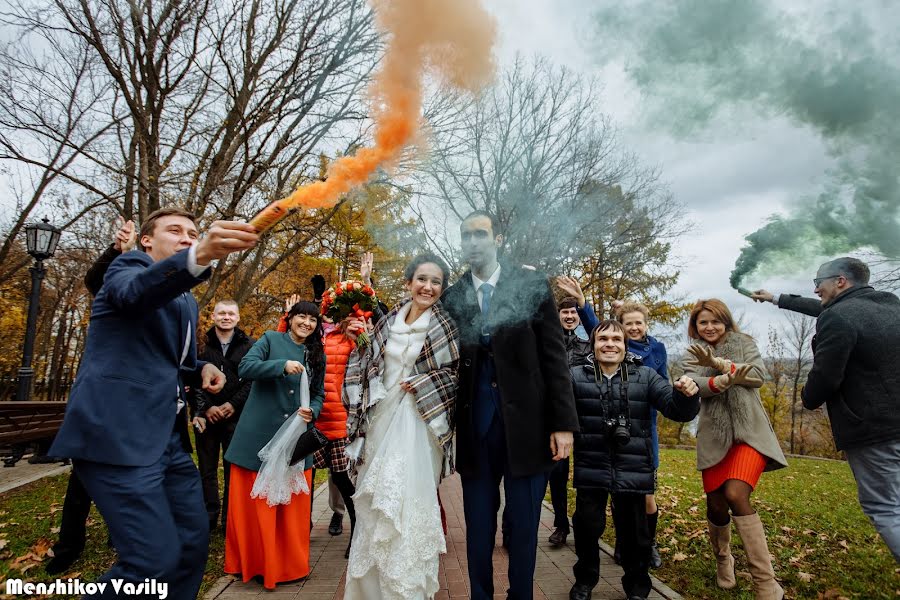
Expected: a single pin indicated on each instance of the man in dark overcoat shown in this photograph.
(515, 409)
(856, 373)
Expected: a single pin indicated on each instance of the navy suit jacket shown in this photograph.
(123, 403)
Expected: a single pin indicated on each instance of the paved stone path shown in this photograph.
(24, 473)
(553, 573)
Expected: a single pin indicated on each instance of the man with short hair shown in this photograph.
(226, 344)
(77, 503)
(578, 352)
(122, 429)
(614, 455)
(515, 411)
(856, 373)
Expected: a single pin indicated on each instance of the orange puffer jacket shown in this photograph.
(332, 420)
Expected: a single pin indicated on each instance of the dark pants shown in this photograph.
(481, 501)
(632, 536)
(217, 435)
(344, 485)
(559, 494)
(72, 527)
(156, 518)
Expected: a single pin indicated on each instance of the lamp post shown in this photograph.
(41, 240)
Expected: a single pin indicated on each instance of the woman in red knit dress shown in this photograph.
(735, 441)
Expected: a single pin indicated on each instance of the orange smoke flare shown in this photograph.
(452, 38)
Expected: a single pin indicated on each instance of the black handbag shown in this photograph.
(311, 440)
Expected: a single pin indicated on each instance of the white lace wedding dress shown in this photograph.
(399, 537)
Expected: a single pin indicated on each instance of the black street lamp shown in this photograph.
(41, 240)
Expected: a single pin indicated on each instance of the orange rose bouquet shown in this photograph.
(350, 299)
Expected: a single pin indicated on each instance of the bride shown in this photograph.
(400, 392)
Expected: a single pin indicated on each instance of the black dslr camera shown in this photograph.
(619, 429)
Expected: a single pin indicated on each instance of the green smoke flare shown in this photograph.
(834, 68)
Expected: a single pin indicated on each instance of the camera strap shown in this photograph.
(624, 409)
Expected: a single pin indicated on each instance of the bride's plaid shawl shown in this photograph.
(433, 379)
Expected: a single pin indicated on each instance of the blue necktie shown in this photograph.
(486, 291)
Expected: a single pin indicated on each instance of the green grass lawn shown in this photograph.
(824, 546)
(29, 522)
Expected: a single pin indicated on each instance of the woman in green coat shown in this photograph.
(273, 541)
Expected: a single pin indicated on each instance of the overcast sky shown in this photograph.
(730, 177)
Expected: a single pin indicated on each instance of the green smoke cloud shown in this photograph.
(834, 68)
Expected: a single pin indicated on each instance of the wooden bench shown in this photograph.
(22, 423)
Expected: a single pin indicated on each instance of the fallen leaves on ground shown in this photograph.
(35, 556)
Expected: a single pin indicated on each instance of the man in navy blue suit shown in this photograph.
(515, 412)
(125, 428)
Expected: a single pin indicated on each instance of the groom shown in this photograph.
(515, 409)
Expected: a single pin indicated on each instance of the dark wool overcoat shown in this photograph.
(856, 368)
(532, 369)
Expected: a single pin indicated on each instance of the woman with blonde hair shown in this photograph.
(735, 441)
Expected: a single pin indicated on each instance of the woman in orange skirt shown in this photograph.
(735, 441)
(273, 541)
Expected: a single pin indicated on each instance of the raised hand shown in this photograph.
(365, 267)
(291, 300)
(742, 377)
(705, 358)
(125, 236)
(572, 288)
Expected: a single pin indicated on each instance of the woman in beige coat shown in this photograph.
(735, 441)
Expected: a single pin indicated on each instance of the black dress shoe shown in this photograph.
(655, 558)
(558, 537)
(581, 591)
(336, 527)
(61, 562)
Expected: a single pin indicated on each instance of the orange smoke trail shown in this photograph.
(452, 38)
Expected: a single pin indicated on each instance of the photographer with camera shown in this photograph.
(614, 456)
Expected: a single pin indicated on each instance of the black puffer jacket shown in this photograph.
(599, 462)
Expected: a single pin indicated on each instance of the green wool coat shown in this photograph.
(274, 396)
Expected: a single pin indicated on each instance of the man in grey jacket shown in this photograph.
(856, 372)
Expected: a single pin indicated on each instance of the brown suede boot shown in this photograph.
(720, 538)
(750, 528)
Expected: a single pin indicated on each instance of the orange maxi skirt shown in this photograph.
(742, 462)
(272, 541)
